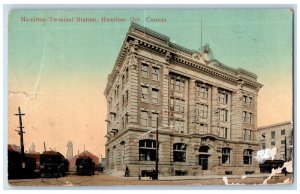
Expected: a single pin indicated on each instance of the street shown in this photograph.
(109, 180)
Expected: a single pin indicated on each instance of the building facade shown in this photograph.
(279, 135)
(205, 111)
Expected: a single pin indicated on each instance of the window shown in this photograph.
(154, 118)
(176, 105)
(225, 155)
(181, 106)
(247, 134)
(147, 150)
(179, 152)
(177, 125)
(144, 70)
(144, 95)
(123, 81)
(247, 117)
(202, 128)
(273, 134)
(247, 156)
(273, 143)
(144, 118)
(126, 75)
(223, 98)
(202, 110)
(177, 85)
(202, 91)
(263, 146)
(155, 73)
(282, 142)
(223, 115)
(245, 100)
(154, 95)
(224, 132)
(283, 132)
(126, 98)
(250, 101)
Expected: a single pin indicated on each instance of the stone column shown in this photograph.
(133, 88)
(237, 114)
(192, 107)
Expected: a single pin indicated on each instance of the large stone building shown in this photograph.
(279, 135)
(206, 111)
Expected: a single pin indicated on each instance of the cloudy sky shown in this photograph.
(57, 71)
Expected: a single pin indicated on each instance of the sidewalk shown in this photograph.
(202, 177)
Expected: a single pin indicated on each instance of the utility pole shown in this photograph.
(285, 149)
(155, 177)
(21, 132)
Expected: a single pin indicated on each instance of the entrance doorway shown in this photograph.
(203, 161)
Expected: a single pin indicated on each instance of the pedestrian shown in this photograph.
(152, 173)
(126, 171)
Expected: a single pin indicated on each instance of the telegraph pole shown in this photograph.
(21, 132)
(155, 177)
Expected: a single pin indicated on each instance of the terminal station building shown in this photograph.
(205, 111)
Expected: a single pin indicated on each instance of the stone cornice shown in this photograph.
(159, 43)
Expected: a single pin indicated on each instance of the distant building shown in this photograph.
(279, 135)
(69, 150)
(72, 161)
(206, 111)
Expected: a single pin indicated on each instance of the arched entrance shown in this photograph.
(203, 157)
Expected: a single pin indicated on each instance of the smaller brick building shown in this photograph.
(279, 135)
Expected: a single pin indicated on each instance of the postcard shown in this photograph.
(106, 97)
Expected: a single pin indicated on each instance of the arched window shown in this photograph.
(179, 152)
(225, 155)
(147, 150)
(247, 156)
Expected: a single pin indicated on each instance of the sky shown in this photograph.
(57, 71)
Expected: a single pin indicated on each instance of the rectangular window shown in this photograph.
(202, 110)
(126, 75)
(282, 142)
(223, 115)
(250, 117)
(247, 134)
(250, 101)
(144, 95)
(176, 105)
(245, 100)
(144, 70)
(181, 126)
(283, 132)
(177, 85)
(203, 92)
(224, 132)
(126, 98)
(172, 84)
(154, 95)
(144, 118)
(273, 134)
(172, 104)
(245, 116)
(273, 143)
(154, 118)
(181, 106)
(223, 98)
(155, 73)
(182, 83)
(123, 81)
(263, 146)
